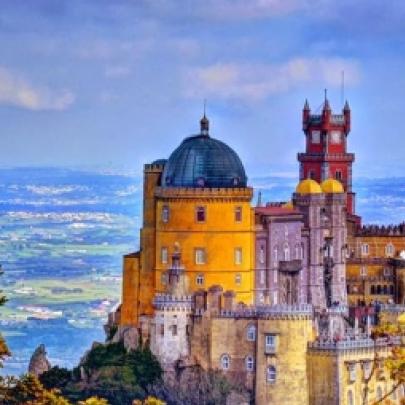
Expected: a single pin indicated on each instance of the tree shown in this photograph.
(149, 401)
(4, 352)
(55, 377)
(386, 332)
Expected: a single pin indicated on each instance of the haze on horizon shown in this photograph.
(100, 83)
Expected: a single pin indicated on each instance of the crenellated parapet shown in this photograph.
(211, 193)
(303, 311)
(167, 302)
(352, 345)
(382, 230)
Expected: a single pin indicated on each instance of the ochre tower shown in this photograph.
(326, 153)
(196, 203)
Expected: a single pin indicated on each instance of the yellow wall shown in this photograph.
(130, 290)
(219, 235)
(377, 245)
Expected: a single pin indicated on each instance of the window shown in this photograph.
(389, 250)
(165, 213)
(238, 214)
(250, 363)
(162, 329)
(262, 277)
(164, 255)
(163, 278)
(275, 255)
(316, 136)
(363, 271)
(200, 256)
(379, 393)
(261, 254)
(350, 400)
(387, 271)
(238, 255)
(251, 333)
(238, 279)
(335, 137)
(372, 289)
(200, 214)
(271, 374)
(364, 249)
(199, 279)
(270, 342)
(225, 361)
(298, 251)
(286, 252)
(174, 330)
(351, 369)
(311, 174)
(275, 298)
(338, 175)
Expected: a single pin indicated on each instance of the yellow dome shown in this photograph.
(288, 205)
(401, 319)
(308, 186)
(332, 186)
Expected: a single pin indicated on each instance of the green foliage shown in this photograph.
(115, 374)
(4, 352)
(145, 366)
(55, 377)
(27, 390)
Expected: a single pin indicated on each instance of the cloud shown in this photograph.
(17, 91)
(256, 82)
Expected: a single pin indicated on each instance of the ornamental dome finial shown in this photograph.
(204, 123)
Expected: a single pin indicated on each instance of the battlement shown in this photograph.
(303, 311)
(172, 302)
(382, 230)
(353, 344)
(239, 193)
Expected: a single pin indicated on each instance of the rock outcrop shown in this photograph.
(39, 362)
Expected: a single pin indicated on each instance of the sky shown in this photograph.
(119, 83)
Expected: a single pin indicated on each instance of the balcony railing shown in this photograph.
(290, 265)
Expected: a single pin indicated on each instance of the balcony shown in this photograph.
(290, 266)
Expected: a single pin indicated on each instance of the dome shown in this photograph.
(332, 186)
(288, 205)
(308, 186)
(202, 161)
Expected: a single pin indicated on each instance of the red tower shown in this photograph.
(326, 142)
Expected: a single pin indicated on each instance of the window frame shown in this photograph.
(271, 374)
(238, 256)
(238, 214)
(251, 333)
(225, 359)
(198, 210)
(165, 214)
(249, 363)
(164, 257)
(200, 260)
(200, 279)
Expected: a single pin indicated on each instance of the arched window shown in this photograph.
(298, 251)
(378, 289)
(275, 255)
(389, 250)
(372, 289)
(286, 252)
(379, 393)
(364, 249)
(251, 333)
(271, 374)
(199, 279)
(350, 400)
(225, 361)
(391, 290)
(385, 290)
(261, 254)
(250, 363)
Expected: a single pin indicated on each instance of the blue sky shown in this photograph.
(96, 83)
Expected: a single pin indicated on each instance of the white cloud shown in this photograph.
(17, 91)
(255, 82)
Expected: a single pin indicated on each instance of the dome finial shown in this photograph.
(204, 123)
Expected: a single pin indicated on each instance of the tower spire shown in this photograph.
(204, 123)
(326, 105)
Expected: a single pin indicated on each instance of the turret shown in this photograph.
(204, 125)
(346, 113)
(306, 112)
(326, 113)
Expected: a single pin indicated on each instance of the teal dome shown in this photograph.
(202, 161)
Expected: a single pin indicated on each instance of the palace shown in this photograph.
(280, 296)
